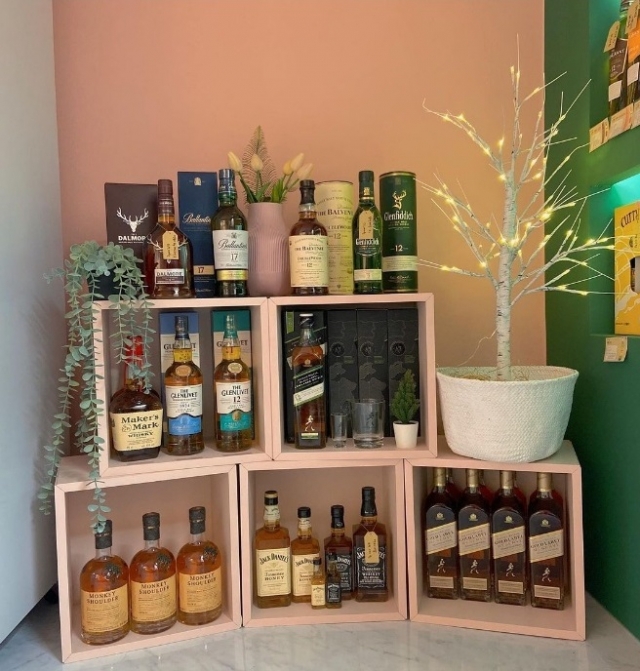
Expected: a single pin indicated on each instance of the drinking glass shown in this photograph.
(367, 418)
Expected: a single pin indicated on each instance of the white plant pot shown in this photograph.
(520, 420)
(406, 434)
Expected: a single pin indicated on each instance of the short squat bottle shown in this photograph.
(333, 593)
(318, 583)
(104, 594)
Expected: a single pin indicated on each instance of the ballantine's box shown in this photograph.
(402, 348)
(627, 268)
(197, 203)
(342, 360)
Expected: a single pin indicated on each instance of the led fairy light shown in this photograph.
(510, 263)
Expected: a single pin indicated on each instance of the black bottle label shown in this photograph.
(371, 576)
(333, 593)
(343, 564)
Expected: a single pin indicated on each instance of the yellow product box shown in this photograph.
(627, 268)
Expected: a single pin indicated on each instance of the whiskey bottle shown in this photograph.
(307, 360)
(371, 552)
(135, 415)
(232, 394)
(452, 488)
(474, 542)
(367, 239)
(341, 546)
(308, 248)
(104, 594)
(304, 549)
(152, 582)
(508, 546)
(230, 239)
(546, 546)
(199, 574)
(318, 582)
(272, 558)
(168, 252)
(440, 541)
(183, 390)
(333, 591)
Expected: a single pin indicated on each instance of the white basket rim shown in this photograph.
(547, 373)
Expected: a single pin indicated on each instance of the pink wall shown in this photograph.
(149, 87)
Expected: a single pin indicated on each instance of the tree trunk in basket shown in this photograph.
(505, 283)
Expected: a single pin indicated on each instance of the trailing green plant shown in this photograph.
(88, 267)
(404, 403)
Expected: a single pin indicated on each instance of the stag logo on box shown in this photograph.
(398, 198)
(133, 223)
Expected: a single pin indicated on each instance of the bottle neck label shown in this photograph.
(271, 514)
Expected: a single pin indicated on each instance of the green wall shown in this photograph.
(605, 422)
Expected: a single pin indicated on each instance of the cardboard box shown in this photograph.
(627, 269)
(197, 202)
(167, 328)
(342, 360)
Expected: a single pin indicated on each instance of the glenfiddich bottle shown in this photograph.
(508, 524)
(152, 582)
(135, 415)
(199, 574)
(546, 546)
(104, 594)
(371, 552)
(183, 390)
(307, 360)
(168, 253)
(272, 558)
(232, 394)
(440, 540)
(367, 239)
(304, 549)
(230, 240)
(308, 248)
(474, 541)
(341, 546)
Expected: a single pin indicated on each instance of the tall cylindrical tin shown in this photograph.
(399, 232)
(334, 210)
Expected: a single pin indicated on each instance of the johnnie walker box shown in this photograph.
(373, 369)
(402, 348)
(197, 203)
(290, 337)
(342, 360)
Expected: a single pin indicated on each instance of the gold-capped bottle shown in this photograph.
(199, 564)
(304, 549)
(272, 558)
(152, 582)
(104, 594)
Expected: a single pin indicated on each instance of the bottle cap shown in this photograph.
(317, 561)
(165, 188)
(307, 188)
(472, 477)
(439, 477)
(337, 517)
(197, 514)
(226, 178)
(103, 538)
(151, 526)
(544, 482)
(306, 320)
(230, 322)
(506, 479)
(271, 498)
(181, 325)
(365, 177)
(304, 512)
(368, 502)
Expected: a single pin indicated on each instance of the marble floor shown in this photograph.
(393, 646)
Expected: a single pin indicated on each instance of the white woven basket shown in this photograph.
(520, 420)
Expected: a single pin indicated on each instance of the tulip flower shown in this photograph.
(287, 169)
(305, 170)
(234, 162)
(297, 162)
(256, 163)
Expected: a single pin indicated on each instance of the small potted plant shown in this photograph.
(404, 406)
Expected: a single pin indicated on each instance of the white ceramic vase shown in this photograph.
(406, 434)
(268, 250)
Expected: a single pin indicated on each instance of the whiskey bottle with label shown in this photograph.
(199, 574)
(304, 549)
(135, 415)
(183, 391)
(440, 541)
(307, 360)
(474, 541)
(152, 582)
(308, 248)
(104, 594)
(508, 545)
(371, 549)
(230, 239)
(318, 583)
(232, 394)
(546, 546)
(333, 591)
(367, 239)
(451, 487)
(339, 544)
(272, 558)
(168, 253)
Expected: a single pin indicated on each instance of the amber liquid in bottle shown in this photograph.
(308, 248)
(304, 549)
(371, 552)
(272, 558)
(308, 388)
(232, 395)
(199, 575)
(183, 391)
(318, 584)
(474, 542)
(508, 543)
(104, 594)
(152, 582)
(546, 546)
(441, 579)
(168, 253)
(333, 591)
(341, 546)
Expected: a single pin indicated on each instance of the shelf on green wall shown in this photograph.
(616, 160)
